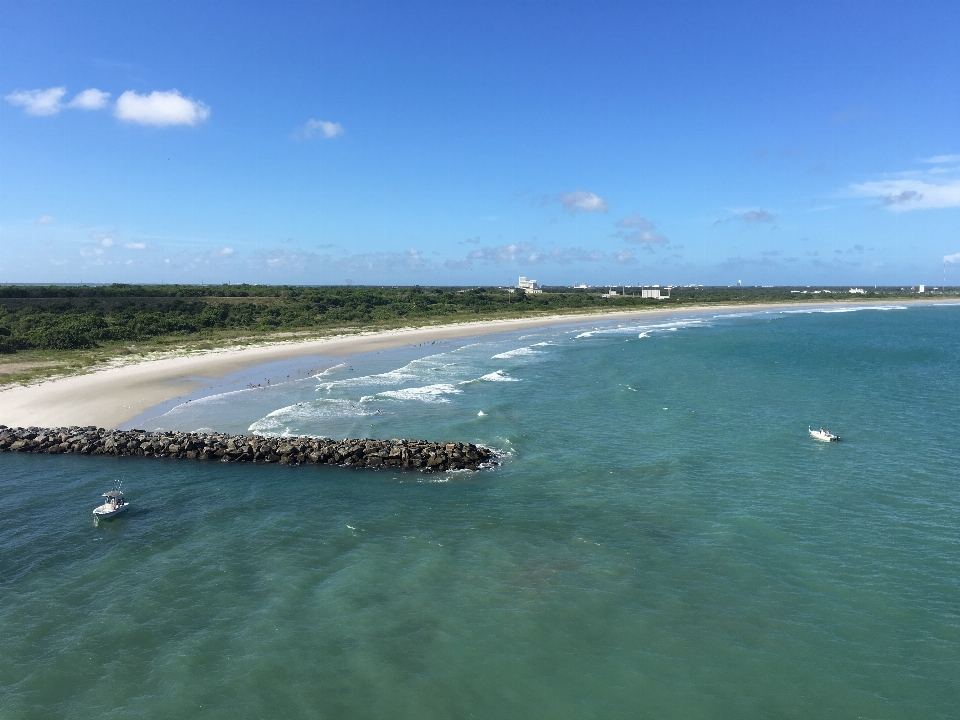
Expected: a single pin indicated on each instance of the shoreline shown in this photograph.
(114, 395)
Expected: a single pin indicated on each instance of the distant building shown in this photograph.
(528, 286)
(655, 293)
(857, 291)
(922, 288)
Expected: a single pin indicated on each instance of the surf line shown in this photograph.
(422, 455)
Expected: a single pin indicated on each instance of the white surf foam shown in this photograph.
(418, 369)
(646, 329)
(809, 311)
(515, 353)
(282, 419)
(428, 393)
(330, 370)
(498, 376)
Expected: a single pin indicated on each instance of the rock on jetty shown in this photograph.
(407, 454)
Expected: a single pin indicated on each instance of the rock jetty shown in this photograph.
(401, 454)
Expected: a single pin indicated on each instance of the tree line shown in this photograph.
(82, 317)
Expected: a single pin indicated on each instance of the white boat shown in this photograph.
(823, 435)
(113, 505)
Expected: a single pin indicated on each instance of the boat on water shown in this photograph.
(114, 504)
(823, 435)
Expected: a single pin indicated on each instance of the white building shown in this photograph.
(923, 288)
(655, 293)
(529, 286)
(857, 291)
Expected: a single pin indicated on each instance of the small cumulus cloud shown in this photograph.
(223, 252)
(160, 109)
(324, 128)
(941, 159)
(641, 231)
(509, 253)
(135, 246)
(90, 99)
(910, 194)
(38, 102)
(581, 201)
(645, 237)
(633, 220)
(952, 259)
(45, 219)
(525, 253)
(406, 261)
(103, 239)
(758, 216)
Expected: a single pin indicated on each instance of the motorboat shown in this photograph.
(823, 435)
(113, 504)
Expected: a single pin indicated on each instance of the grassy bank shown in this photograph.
(55, 330)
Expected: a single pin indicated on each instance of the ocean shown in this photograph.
(663, 538)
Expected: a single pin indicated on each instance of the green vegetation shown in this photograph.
(56, 329)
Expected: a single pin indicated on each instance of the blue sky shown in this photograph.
(447, 143)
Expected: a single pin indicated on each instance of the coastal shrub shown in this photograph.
(81, 317)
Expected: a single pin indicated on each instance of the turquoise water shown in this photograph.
(663, 539)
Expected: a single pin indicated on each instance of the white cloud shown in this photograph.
(504, 253)
(633, 220)
(38, 102)
(645, 237)
(937, 159)
(90, 99)
(223, 252)
(160, 109)
(910, 194)
(952, 259)
(45, 219)
(135, 246)
(107, 242)
(582, 201)
(643, 234)
(755, 216)
(528, 254)
(324, 127)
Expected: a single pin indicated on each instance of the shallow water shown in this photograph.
(663, 539)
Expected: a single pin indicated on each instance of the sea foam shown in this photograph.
(428, 393)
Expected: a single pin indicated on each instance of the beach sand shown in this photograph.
(109, 397)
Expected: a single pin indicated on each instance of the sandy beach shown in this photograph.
(109, 397)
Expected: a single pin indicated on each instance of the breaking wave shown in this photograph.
(428, 394)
